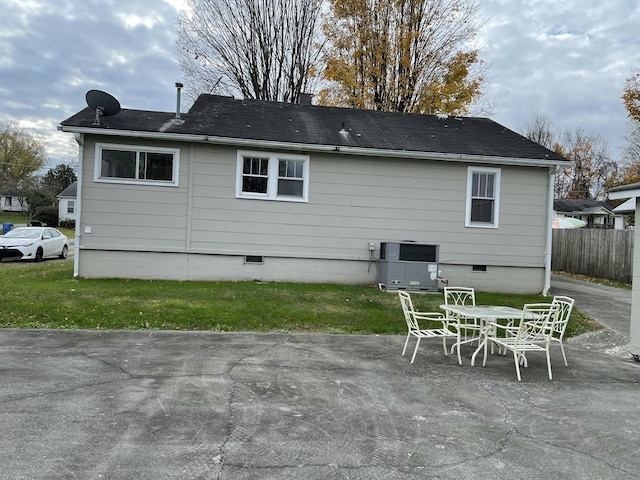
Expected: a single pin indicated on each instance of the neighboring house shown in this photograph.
(10, 202)
(67, 203)
(627, 209)
(632, 191)
(248, 189)
(597, 214)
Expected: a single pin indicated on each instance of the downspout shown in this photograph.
(549, 236)
(76, 253)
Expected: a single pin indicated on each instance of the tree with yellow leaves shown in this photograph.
(21, 154)
(402, 55)
(631, 96)
(629, 172)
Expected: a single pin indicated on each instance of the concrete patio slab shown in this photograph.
(156, 405)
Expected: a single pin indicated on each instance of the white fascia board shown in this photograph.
(372, 152)
(631, 193)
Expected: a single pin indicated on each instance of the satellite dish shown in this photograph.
(102, 103)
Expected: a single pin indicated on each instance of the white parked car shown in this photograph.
(33, 243)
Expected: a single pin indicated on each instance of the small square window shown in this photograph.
(272, 176)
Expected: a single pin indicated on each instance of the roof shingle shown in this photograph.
(226, 117)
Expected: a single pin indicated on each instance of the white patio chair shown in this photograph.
(565, 306)
(413, 319)
(534, 334)
(462, 296)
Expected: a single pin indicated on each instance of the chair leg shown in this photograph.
(484, 360)
(444, 345)
(406, 343)
(516, 359)
(416, 350)
(549, 365)
(563, 355)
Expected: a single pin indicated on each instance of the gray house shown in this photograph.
(248, 189)
(595, 213)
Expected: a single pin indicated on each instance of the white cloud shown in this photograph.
(567, 59)
(53, 52)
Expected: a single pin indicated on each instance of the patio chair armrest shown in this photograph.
(433, 316)
(508, 327)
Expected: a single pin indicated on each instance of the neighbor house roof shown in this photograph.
(70, 191)
(585, 207)
(219, 119)
(628, 206)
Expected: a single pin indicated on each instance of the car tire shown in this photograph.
(39, 255)
(65, 252)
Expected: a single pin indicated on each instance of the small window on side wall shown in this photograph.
(483, 197)
(136, 165)
(270, 176)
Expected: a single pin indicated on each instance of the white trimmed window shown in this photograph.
(71, 206)
(483, 197)
(139, 165)
(270, 176)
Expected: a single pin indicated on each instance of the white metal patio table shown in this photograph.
(484, 313)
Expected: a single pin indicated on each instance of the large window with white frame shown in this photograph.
(136, 164)
(483, 197)
(272, 176)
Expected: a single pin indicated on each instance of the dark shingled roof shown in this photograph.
(70, 191)
(579, 205)
(217, 116)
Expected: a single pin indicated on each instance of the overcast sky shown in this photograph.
(568, 60)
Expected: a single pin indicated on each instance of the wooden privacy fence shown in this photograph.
(596, 253)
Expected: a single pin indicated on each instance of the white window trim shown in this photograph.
(272, 183)
(496, 197)
(136, 148)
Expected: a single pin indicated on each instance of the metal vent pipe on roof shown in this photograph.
(179, 88)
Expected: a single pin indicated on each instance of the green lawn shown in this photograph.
(12, 217)
(45, 295)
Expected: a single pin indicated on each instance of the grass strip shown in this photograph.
(46, 295)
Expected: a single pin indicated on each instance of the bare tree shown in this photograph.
(539, 128)
(631, 153)
(592, 170)
(261, 49)
(591, 166)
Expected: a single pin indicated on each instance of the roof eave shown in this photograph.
(360, 151)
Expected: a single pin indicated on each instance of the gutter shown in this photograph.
(77, 246)
(549, 232)
(372, 152)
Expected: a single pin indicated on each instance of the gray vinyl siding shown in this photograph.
(352, 201)
(133, 217)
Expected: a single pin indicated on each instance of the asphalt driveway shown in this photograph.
(155, 405)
